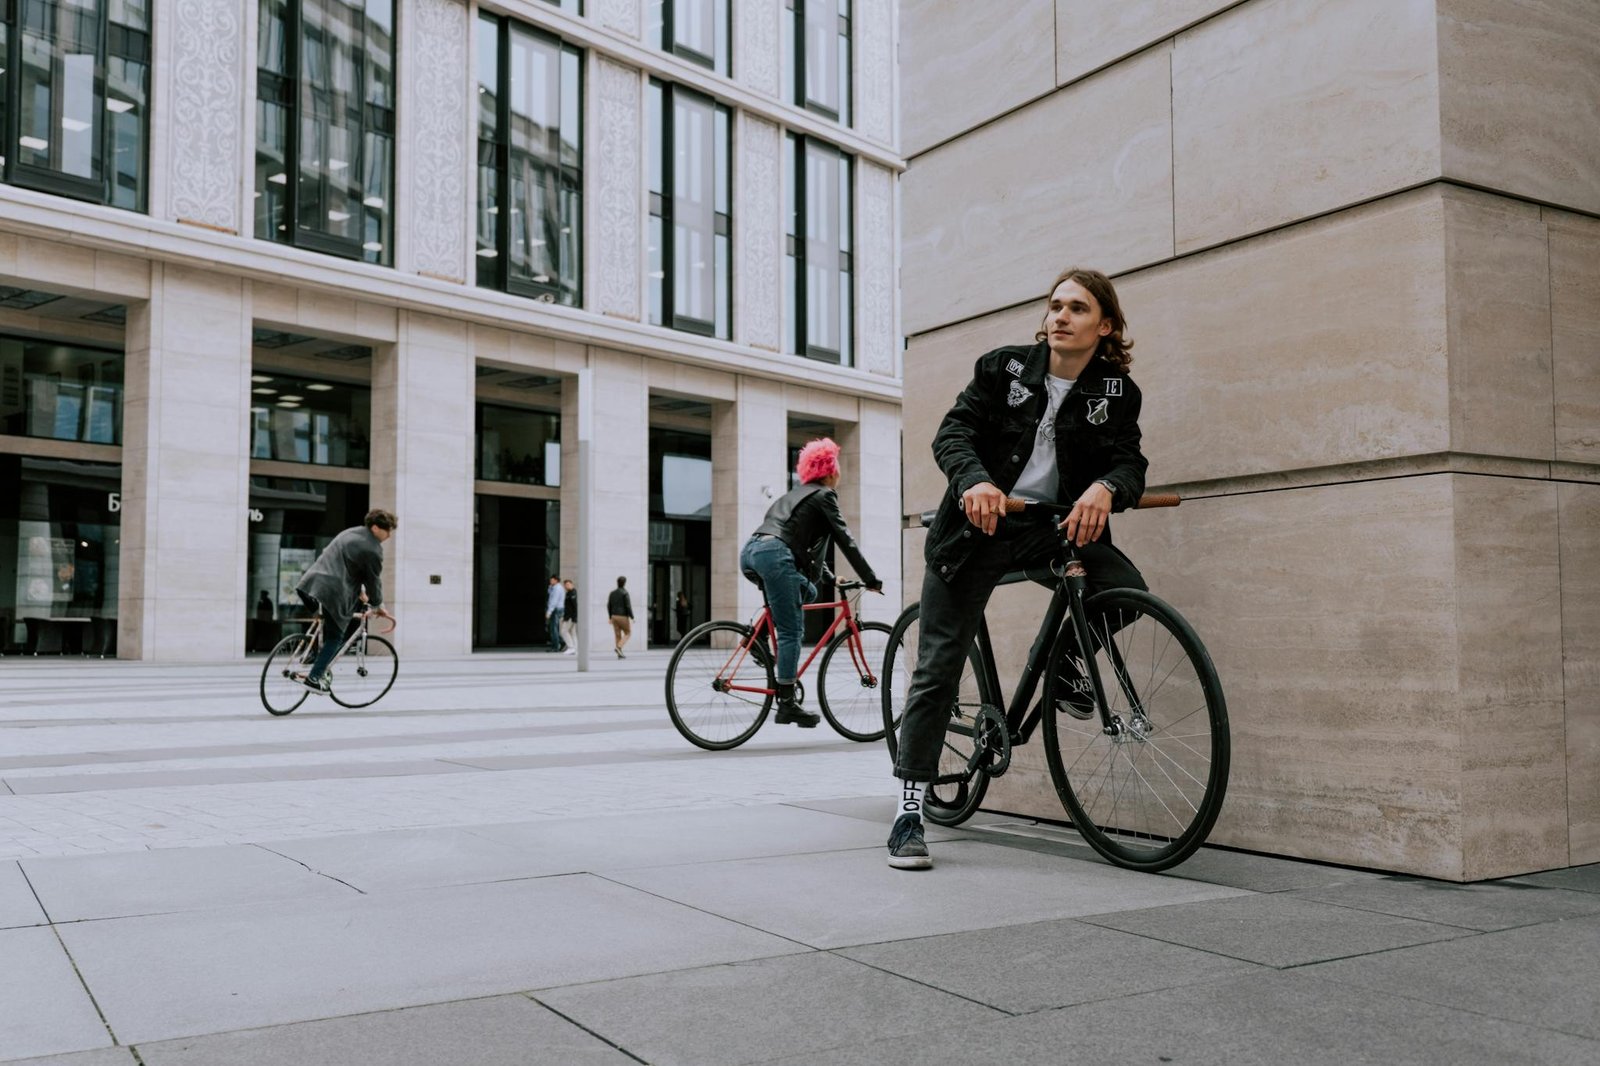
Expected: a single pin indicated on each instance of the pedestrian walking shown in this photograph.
(569, 618)
(555, 605)
(681, 610)
(620, 607)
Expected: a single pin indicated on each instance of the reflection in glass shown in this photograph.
(690, 225)
(519, 445)
(60, 392)
(291, 521)
(303, 420)
(815, 55)
(818, 268)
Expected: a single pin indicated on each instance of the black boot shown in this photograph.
(790, 711)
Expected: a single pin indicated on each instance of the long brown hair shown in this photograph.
(1114, 347)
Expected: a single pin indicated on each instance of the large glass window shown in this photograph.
(688, 251)
(296, 419)
(815, 51)
(818, 274)
(518, 445)
(74, 97)
(697, 30)
(516, 545)
(325, 126)
(60, 392)
(291, 521)
(530, 162)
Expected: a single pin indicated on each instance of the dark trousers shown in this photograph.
(554, 624)
(331, 641)
(951, 610)
(768, 562)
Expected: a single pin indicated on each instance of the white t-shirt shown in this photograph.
(1038, 480)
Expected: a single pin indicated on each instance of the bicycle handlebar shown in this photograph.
(1159, 499)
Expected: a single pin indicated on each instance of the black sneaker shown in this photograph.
(907, 849)
(320, 686)
(790, 711)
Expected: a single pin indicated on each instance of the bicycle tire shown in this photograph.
(368, 663)
(707, 715)
(1146, 797)
(857, 694)
(281, 695)
(948, 804)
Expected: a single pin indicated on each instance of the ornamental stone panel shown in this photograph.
(436, 93)
(617, 163)
(206, 106)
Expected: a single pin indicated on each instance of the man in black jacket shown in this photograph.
(347, 577)
(620, 607)
(784, 556)
(1057, 421)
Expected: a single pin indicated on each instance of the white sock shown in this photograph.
(910, 799)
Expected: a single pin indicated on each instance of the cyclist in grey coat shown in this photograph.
(347, 575)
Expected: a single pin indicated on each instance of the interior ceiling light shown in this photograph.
(265, 392)
(118, 106)
(292, 399)
(319, 387)
(279, 179)
(338, 216)
(74, 125)
(35, 143)
(372, 246)
(260, 379)
(375, 202)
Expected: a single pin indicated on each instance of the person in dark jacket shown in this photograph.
(347, 576)
(619, 605)
(569, 618)
(784, 557)
(1057, 421)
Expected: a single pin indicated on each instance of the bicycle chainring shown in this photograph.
(991, 741)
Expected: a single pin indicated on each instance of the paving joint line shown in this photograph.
(76, 972)
(598, 1036)
(297, 862)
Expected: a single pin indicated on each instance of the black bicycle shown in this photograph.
(1135, 725)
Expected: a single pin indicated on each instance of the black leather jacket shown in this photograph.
(805, 519)
(988, 436)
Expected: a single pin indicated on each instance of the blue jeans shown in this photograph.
(331, 640)
(769, 563)
(556, 643)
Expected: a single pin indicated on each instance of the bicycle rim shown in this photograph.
(951, 803)
(847, 686)
(1145, 793)
(280, 694)
(719, 690)
(363, 672)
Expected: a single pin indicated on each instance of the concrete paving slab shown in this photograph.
(75, 888)
(1544, 975)
(1576, 878)
(1276, 930)
(1263, 873)
(665, 838)
(167, 976)
(44, 1009)
(1265, 1019)
(110, 1056)
(1043, 965)
(881, 809)
(417, 858)
(18, 905)
(1483, 907)
(746, 1012)
(843, 898)
(502, 1031)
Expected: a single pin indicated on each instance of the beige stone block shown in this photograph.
(215, 574)
(190, 629)
(1284, 109)
(122, 275)
(1575, 334)
(56, 266)
(193, 374)
(820, 403)
(949, 53)
(1091, 33)
(1518, 84)
(376, 322)
(1055, 202)
(274, 305)
(1509, 630)
(1498, 294)
(1579, 529)
(321, 312)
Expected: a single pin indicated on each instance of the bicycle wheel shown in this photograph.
(719, 689)
(363, 672)
(947, 804)
(847, 689)
(1145, 792)
(280, 693)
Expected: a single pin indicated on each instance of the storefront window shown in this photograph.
(291, 521)
(59, 548)
(518, 445)
(301, 420)
(516, 547)
(60, 392)
(678, 596)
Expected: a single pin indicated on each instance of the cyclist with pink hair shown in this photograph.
(784, 557)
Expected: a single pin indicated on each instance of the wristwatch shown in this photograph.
(1109, 487)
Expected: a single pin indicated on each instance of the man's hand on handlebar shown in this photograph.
(1087, 520)
(983, 504)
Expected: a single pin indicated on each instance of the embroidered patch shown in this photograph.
(1014, 368)
(1097, 411)
(1113, 386)
(1019, 394)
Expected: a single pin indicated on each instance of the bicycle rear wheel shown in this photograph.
(291, 656)
(847, 690)
(951, 803)
(363, 672)
(1145, 792)
(719, 688)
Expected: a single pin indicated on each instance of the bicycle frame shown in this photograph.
(765, 632)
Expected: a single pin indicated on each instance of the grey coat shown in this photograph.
(353, 559)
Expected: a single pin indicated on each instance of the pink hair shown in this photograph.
(818, 460)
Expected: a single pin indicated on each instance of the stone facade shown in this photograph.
(1355, 243)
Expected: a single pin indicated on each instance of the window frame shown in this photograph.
(721, 35)
(797, 252)
(842, 45)
(662, 209)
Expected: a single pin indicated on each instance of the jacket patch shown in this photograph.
(1020, 395)
(1097, 411)
(1014, 368)
(1113, 386)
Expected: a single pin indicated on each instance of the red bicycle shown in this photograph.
(720, 682)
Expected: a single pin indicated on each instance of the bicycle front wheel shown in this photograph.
(953, 802)
(719, 686)
(1146, 789)
(363, 672)
(281, 694)
(847, 686)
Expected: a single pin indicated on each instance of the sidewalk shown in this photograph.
(506, 862)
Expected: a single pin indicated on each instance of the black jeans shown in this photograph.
(331, 640)
(951, 610)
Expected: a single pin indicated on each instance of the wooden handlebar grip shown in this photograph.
(1160, 499)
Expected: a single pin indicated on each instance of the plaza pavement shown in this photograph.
(507, 862)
